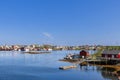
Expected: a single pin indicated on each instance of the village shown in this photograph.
(37, 47)
(108, 58)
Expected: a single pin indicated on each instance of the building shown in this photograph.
(111, 54)
(84, 54)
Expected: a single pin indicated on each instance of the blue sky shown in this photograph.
(60, 22)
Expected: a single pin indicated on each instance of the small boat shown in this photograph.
(67, 67)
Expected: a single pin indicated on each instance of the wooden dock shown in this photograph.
(66, 67)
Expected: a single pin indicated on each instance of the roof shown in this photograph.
(111, 52)
(85, 51)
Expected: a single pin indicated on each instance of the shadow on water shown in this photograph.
(106, 72)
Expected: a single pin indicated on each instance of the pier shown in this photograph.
(67, 67)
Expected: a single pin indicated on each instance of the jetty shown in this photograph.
(67, 67)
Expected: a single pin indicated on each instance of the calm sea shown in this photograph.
(20, 66)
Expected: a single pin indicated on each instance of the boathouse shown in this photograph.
(111, 54)
(84, 54)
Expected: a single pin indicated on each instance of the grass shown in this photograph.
(97, 54)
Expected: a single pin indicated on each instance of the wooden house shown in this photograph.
(84, 54)
(111, 54)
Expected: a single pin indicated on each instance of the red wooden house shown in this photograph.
(111, 54)
(84, 53)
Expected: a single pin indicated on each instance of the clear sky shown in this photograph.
(61, 22)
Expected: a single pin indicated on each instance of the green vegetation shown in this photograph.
(97, 54)
(112, 47)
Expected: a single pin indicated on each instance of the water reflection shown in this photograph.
(107, 73)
